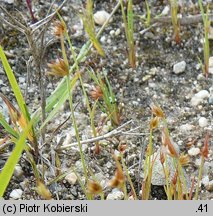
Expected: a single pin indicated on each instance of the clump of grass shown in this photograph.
(19, 117)
(104, 91)
(206, 23)
(204, 155)
(148, 165)
(129, 30)
(8, 169)
(62, 67)
(175, 21)
(175, 186)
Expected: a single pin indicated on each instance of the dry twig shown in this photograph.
(115, 132)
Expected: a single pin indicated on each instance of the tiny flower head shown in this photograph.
(163, 151)
(154, 122)
(94, 187)
(59, 29)
(122, 148)
(156, 110)
(58, 68)
(96, 93)
(172, 150)
(205, 149)
(119, 179)
(184, 159)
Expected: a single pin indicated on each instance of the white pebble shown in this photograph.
(203, 122)
(202, 94)
(195, 101)
(109, 41)
(187, 127)
(199, 97)
(115, 195)
(165, 11)
(198, 162)
(9, 1)
(16, 194)
(179, 67)
(102, 39)
(205, 180)
(100, 17)
(18, 172)
(112, 32)
(71, 178)
(211, 65)
(200, 77)
(194, 151)
(209, 186)
(117, 32)
(21, 79)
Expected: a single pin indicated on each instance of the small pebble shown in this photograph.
(211, 65)
(102, 39)
(199, 97)
(100, 17)
(187, 127)
(165, 11)
(18, 172)
(209, 186)
(210, 36)
(112, 32)
(203, 122)
(211, 95)
(200, 77)
(71, 178)
(179, 67)
(115, 195)
(194, 151)
(205, 180)
(16, 194)
(202, 94)
(21, 79)
(117, 32)
(9, 1)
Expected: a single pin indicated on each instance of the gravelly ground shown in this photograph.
(152, 81)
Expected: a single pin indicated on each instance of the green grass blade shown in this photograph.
(130, 18)
(92, 36)
(7, 127)
(63, 97)
(148, 12)
(89, 9)
(9, 167)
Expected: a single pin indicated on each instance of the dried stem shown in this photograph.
(114, 132)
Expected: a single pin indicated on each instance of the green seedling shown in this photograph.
(148, 14)
(89, 26)
(129, 30)
(206, 23)
(175, 21)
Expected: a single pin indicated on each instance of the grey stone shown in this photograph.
(179, 67)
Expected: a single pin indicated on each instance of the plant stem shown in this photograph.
(199, 177)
